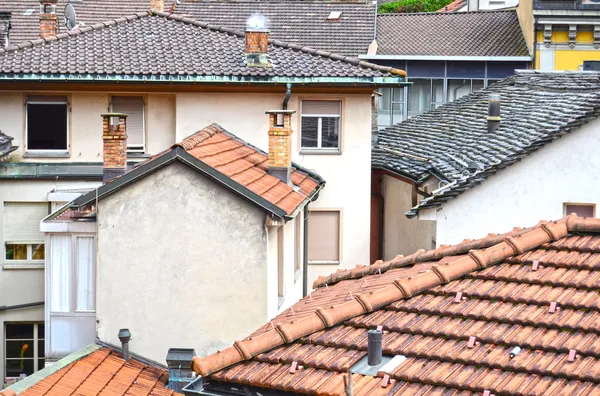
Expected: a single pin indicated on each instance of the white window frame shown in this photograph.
(135, 149)
(36, 351)
(340, 234)
(49, 102)
(320, 117)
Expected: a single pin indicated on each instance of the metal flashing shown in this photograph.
(448, 58)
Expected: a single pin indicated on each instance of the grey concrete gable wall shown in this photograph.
(182, 263)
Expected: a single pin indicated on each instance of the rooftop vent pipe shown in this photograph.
(125, 336)
(375, 351)
(493, 113)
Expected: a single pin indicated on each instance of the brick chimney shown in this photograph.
(114, 136)
(257, 42)
(48, 20)
(280, 144)
(157, 5)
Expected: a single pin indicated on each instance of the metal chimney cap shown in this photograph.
(180, 357)
(494, 97)
(124, 335)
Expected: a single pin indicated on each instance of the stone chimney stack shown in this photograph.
(157, 5)
(114, 136)
(48, 20)
(280, 144)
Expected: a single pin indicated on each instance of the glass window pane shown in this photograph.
(60, 272)
(437, 93)
(398, 95)
(477, 85)
(458, 88)
(18, 367)
(384, 109)
(330, 132)
(85, 274)
(19, 349)
(323, 236)
(397, 112)
(46, 126)
(41, 331)
(41, 363)
(41, 350)
(19, 331)
(419, 97)
(309, 132)
(38, 252)
(16, 252)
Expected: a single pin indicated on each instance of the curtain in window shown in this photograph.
(60, 272)
(85, 274)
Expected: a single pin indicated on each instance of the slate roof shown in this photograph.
(536, 108)
(164, 47)
(230, 161)
(479, 33)
(99, 372)
(299, 22)
(6, 146)
(501, 294)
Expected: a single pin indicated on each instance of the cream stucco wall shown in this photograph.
(402, 235)
(534, 189)
(347, 175)
(187, 269)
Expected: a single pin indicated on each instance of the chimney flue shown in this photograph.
(114, 136)
(493, 113)
(157, 5)
(375, 351)
(125, 336)
(257, 41)
(280, 144)
(179, 362)
(48, 20)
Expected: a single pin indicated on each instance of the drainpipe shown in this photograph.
(288, 93)
(305, 253)
(534, 49)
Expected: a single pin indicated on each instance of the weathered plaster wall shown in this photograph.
(534, 189)
(165, 274)
(402, 235)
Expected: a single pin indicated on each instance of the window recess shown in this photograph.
(134, 107)
(23, 240)
(320, 125)
(46, 123)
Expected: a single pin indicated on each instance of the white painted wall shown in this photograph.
(182, 262)
(534, 189)
(347, 175)
(400, 234)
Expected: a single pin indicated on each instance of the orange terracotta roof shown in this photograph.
(535, 288)
(103, 372)
(247, 165)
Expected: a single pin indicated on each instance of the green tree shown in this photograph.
(410, 6)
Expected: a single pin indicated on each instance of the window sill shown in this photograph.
(324, 262)
(46, 154)
(138, 155)
(320, 152)
(25, 265)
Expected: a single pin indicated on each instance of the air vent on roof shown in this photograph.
(334, 16)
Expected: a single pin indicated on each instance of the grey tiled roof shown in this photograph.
(301, 22)
(481, 33)
(536, 108)
(26, 14)
(6, 146)
(164, 47)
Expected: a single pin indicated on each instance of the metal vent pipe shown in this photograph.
(375, 352)
(493, 113)
(125, 336)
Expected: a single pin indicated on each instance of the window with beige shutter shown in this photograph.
(320, 125)
(133, 106)
(324, 236)
(23, 240)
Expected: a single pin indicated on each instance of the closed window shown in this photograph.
(47, 123)
(24, 350)
(390, 107)
(324, 236)
(133, 106)
(580, 209)
(425, 95)
(320, 125)
(72, 273)
(23, 240)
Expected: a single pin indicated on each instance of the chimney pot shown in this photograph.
(493, 112)
(375, 351)
(280, 144)
(124, 337)
(114, 136)
(157, 5)
(48, 20)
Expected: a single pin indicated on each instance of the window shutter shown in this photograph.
(133, 106)
(22, 222)
(324, 236)
(319, 107)
(47, 98)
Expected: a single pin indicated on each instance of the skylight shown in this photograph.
(334, 15)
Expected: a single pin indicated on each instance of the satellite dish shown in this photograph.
(70, 17)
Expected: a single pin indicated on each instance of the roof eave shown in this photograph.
(520, 58)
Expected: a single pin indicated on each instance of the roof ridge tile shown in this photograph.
(321, 318)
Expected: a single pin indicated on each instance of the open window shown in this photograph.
(134, 107)
(47, 124)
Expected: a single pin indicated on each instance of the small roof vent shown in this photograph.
(334, 16)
